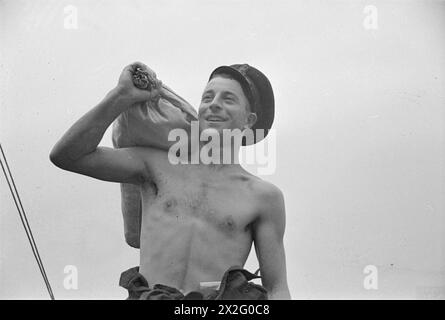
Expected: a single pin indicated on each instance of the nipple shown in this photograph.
(170, 204)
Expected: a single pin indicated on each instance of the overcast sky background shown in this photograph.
(359, 128)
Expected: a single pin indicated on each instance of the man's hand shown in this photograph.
(78, 149)
(129, 92)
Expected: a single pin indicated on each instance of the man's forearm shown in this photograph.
(85, 135)
(279, 294)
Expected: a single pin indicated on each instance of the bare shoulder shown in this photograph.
(269, 197)
(270, 214)
(266, 190)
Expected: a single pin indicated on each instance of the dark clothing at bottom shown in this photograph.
(234, 285)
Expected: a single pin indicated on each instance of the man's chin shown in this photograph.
(211, 131)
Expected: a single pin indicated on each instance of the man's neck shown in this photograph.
(219, 158)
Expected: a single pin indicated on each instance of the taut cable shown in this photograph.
(23, 218)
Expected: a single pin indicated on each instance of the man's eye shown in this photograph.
(206, 98)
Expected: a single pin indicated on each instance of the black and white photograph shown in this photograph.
(222, 150)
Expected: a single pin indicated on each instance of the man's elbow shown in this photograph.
(59, 159)
(55, 157)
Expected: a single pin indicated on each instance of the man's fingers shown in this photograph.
(141, 93)
(144, 67)
(150, 95)
(139, 64)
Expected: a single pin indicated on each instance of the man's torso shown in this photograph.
(196, 222)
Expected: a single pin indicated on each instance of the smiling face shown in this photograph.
(224, 106)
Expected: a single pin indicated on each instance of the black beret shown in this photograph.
(259, 93)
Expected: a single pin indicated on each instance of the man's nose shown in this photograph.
(215, 105)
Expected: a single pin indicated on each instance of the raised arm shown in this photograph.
(268, 231)
(78, 149)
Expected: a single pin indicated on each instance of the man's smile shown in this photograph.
(215, 118)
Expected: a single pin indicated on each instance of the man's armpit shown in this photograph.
(154, 161)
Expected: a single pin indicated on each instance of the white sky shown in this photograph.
(359, 127)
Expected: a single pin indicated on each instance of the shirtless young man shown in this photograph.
(197, 219)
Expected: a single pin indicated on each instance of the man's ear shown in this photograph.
(251, 120)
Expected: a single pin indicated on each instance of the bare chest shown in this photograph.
(225, 203)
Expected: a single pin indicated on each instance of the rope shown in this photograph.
(23, 218)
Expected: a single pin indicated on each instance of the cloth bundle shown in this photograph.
(235, 285)
(147, 124)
